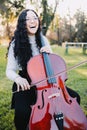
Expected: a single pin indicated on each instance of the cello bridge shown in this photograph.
(54, 95)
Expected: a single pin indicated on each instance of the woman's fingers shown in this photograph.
(45, 49)
(22, 84)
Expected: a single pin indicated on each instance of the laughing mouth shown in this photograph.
(33, 27)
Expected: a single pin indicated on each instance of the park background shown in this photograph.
(59, 24)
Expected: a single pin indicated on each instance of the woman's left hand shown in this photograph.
(46, 49)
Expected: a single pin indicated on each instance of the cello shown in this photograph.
(54, 109)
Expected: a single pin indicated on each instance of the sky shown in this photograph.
(66, 6)
(71, 5)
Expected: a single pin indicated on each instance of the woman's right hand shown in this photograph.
(22, 83)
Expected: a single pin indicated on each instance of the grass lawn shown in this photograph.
(77, 80)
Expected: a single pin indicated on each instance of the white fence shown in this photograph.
(75, 44)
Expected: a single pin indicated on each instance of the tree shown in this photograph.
(10, 10)
(66, 30)
(47, 13)
(7, 6)
(80, 25)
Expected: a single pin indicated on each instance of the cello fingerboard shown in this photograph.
(48, 67)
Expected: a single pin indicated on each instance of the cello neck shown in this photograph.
(48, 68)
(47, 63)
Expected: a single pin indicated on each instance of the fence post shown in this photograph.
(66, 50)
(84, 48)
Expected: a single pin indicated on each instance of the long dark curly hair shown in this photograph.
(22, 47)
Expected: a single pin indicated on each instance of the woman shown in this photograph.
(25, 44)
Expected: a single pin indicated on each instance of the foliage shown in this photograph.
(63, 27)
(73, 28)
(48, 14)
(9, 10)
(77, 80)
(9, 6)
(81, 26)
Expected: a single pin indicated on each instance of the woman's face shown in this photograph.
(32, 22)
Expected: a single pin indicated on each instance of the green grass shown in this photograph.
(77, 80)
(6, 114)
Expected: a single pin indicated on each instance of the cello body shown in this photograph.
(54, 109)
